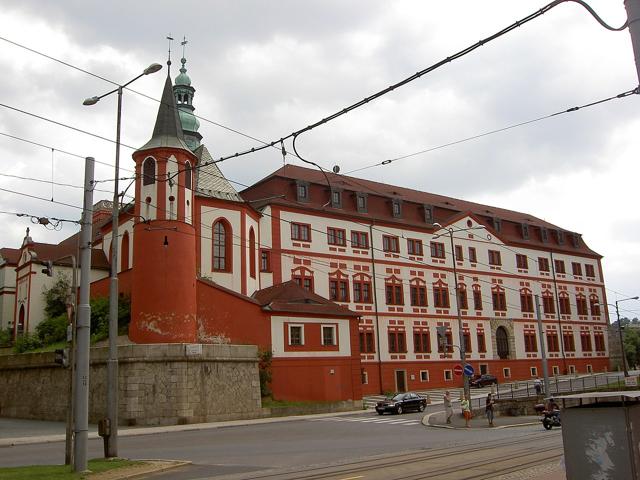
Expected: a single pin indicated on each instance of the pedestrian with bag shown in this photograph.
(489, 409)
(448, 409)
(466, 410)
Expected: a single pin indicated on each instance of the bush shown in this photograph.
(53, 330)
(264, 372)
(26, 342)
(100, 317)
(5, 337)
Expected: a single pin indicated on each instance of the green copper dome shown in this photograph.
(183, 78)
(188, 120)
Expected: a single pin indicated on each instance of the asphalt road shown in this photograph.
(298, 446)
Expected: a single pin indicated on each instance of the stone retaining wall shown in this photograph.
(159, 384)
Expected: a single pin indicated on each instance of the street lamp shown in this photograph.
(111, 438)
(624, 359)
(451, 231)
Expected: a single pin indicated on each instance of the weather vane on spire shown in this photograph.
(170, 38)
(183, 43)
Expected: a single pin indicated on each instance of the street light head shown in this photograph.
(436, 224)
(91, 101)
(153, 68)
(634, 298)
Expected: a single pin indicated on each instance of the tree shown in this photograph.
(55, 298)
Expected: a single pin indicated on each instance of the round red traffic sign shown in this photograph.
(457, 370)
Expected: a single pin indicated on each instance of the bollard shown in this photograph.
(428, 399)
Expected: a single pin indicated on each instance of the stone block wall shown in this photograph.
(159, 384)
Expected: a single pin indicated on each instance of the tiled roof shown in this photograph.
(446, 208)
(291, 297)
(48, 251)
(10, 255)
(210, 182)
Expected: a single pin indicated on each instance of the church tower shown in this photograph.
(163, 304)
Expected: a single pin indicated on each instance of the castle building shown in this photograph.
(349, 283)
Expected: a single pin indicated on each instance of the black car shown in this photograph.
(400, 403)
(484, 380)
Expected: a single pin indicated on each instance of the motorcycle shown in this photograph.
(550, 418)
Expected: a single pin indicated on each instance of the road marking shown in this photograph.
(352, 478)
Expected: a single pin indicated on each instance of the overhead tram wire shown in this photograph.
(498, 130)
(244, 185)
(366, 100)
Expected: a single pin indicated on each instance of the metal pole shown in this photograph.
(465, 377)
(624, 360)
(81, 413)
(375, 307)
(543, 353)
(633, 17)
(111, 440)
(68, 444)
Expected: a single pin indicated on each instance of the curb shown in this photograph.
(140, 471)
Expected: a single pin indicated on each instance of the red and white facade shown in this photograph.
(348, 283)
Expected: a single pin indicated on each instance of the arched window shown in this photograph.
(222, 246)
(252, 253)
(502, 342)
(124, 249)
(188, 175)
(338, 286)
(149, 171)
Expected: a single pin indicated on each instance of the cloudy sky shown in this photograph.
(266, 69)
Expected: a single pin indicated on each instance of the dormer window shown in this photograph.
(428, 213)
(575, 240)
(525, 231)
(396, 208)
(560, 235)
(336, 198)
(361, 202)
(497, 224)
(302, 191)
(544, 234)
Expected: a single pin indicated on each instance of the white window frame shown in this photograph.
(333, 335)
(572, 369)
(448, 375)
(506, 372)
(533, 371)
(589, 368)
(365, 377)
(424, 375)
(556, 370)
(296, 325)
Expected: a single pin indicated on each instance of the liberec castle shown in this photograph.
(348, 282)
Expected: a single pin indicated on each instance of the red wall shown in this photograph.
(223, 315)
(163, 300)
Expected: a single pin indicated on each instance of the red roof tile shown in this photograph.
(11, 255)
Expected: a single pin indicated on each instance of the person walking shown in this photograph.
(538, 385)
(489, 409)
(448, 409)
(466, 410)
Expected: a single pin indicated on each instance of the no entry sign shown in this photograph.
(457, 370)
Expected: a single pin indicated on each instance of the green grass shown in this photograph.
(49, 348)
(61, 472)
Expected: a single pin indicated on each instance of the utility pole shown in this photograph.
(83, 322)
(633, 18)
(543, 353)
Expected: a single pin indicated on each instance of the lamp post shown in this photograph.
(624, 360)
(111, 438)
(451, 231)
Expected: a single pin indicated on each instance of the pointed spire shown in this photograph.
(167, 131)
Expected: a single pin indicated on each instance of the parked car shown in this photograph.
(401, 402)
(483, 380)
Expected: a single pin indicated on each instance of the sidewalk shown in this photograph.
(438, 420)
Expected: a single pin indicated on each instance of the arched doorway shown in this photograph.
(20, 327)
(502, 342)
